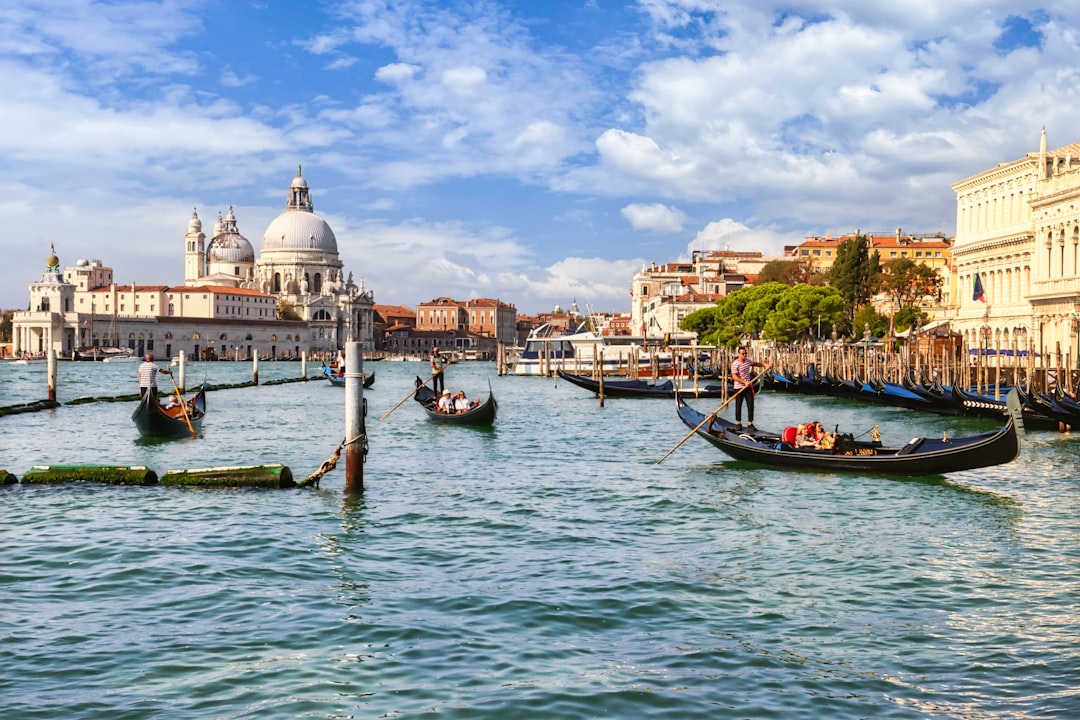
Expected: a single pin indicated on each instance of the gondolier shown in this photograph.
(438, 363)
(742, 381)
(148, 371)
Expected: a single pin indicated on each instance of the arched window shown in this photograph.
(316, 286)
(321, 315)
(277, 283)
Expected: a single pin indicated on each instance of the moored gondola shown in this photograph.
(154, 420)
(481, 414)
(920, 456)
(642, 388)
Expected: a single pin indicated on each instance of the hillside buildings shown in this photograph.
(227, 306)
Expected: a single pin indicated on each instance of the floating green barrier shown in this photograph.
(248, 476)
(109, 474)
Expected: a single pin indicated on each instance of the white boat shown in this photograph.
(580, 352)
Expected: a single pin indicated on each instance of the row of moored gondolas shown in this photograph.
(1042, 410)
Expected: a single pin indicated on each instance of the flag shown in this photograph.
(978, 295)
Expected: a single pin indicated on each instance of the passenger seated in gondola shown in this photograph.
(462, 403)
(803, 437)
(445, 403)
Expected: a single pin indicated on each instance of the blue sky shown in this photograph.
(536, 152)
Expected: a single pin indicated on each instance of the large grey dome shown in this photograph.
(299, 228)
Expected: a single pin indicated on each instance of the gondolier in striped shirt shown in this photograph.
(148, 371)
(740, 375)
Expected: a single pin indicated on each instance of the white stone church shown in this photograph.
(227, 307)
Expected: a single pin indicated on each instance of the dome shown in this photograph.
(194, 224)
(299, 230)
(231, 248)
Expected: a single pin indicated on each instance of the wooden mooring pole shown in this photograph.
(355, 431)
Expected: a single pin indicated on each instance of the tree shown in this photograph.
(907, 282)
(773, 310)
(854, 273)
(790, 272)
(287, 311)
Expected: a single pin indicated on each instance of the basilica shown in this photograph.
(292, 298)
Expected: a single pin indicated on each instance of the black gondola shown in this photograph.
(642, 388)
(482, 414)
(156, 421)
(920, 456)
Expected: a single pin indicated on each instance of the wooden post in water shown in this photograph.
(601, 378)
(52, 374)
(255, 367)
(303, 363)
(355, 432)
(181, 365)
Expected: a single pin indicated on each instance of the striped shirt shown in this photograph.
(740, 372)
(148, 375)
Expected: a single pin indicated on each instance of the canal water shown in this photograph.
(545, 568)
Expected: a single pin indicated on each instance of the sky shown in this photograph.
(537, 152)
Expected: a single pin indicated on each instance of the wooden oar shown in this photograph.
(712, 416)
(183, 406)
(387, 414)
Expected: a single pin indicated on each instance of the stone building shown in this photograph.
(228, 305)
(1018, 231)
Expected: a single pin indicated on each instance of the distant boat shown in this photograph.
(339, 379)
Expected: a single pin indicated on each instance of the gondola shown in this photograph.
(339, 380)
(642, 388)
(155, 421)
(482, 414)
(920, 456)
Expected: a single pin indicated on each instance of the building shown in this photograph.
(1018, 232)
(662, 295)
(228, 305)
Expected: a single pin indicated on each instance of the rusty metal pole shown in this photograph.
(52, 374)
(303, 364)
(355, 432)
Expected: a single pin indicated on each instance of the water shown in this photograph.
(546, 568)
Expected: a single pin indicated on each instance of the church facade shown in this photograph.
(290, 299)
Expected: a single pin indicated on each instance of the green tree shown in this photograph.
(854, 274)
(287, 311)
(788, 272)
(907, 282)
(774, 311)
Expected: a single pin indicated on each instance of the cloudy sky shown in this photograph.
(538, 152)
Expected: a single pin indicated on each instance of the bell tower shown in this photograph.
(194, 250)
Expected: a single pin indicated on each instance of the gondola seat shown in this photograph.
(789, 435)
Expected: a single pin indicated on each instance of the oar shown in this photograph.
(413, 392)
(183, 406)
(712, 416)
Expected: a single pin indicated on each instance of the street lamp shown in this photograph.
(834, 336)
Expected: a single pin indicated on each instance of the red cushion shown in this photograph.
(788, 435)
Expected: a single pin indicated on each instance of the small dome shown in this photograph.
(298, 182)
(82, 262)
(194, 224)
(231, 248)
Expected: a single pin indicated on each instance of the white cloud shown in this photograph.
(728, 234)
(396, 72)
(654, 216)
(464, 80)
